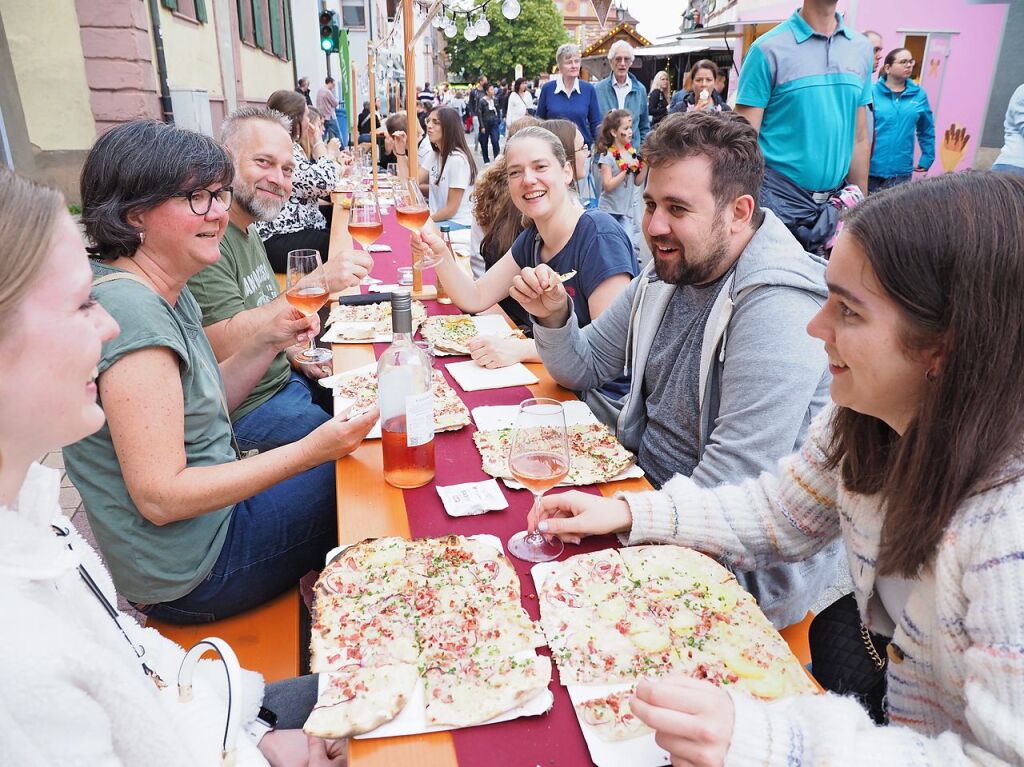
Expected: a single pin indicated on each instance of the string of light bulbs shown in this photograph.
(445, 19)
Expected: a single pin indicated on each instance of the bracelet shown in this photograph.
(403, 154)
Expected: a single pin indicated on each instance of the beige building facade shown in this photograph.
(72, 69)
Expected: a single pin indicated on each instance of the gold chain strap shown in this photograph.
(875, 657)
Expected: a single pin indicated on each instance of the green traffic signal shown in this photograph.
(329, 32)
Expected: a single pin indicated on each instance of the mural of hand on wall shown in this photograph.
(954, 146)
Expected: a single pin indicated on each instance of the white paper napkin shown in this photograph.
(472, 377)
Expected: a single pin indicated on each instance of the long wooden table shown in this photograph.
(369, 507)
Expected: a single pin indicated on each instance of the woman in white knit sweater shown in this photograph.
(919, 468)
(72, 683)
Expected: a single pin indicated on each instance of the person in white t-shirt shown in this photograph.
(451, 171)
(519, 103)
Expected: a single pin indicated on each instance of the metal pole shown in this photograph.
(161, 63)
(413, 124)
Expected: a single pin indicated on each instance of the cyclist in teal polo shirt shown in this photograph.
(805, 86)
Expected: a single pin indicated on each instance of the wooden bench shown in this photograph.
(266, 638)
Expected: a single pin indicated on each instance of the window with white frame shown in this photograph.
(353, 14)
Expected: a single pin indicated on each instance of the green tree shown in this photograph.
(531, 40)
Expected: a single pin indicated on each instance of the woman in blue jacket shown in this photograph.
(901, 111)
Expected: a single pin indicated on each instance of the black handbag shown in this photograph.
(847, 659)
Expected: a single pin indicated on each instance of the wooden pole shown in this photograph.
(353, 111)
(371, 73)
(413, 124)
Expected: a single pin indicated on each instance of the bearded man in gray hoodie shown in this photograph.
(725, 380)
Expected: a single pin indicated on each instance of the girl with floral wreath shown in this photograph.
(622, 168)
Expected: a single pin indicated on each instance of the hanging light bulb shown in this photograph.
(450, 30)
(438, 21)
(469, 32)
(483, 27)
(510, 9)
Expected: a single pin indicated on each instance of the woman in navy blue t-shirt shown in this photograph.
(561, 235)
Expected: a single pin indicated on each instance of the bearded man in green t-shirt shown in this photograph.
(240, 292)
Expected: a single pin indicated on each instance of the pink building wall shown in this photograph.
(973, 46)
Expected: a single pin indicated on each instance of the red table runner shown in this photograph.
(552, 739)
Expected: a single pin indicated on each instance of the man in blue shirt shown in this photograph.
(621, 90)
(805, 86)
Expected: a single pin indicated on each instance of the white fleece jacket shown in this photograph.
(72, 691)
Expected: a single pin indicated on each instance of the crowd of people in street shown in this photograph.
(819, 389)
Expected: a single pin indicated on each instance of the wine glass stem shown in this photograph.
(311, 352)
(535, 537)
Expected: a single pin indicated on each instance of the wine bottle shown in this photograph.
(405, 395)
(442, 294)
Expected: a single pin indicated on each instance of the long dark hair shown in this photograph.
(950, 252)
(453, 137)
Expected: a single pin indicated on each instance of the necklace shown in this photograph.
(634, 164)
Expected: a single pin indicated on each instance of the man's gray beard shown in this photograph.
(257, 210)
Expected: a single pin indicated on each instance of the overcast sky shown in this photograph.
(656, 18)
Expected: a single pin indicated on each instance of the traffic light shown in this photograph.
(329, 31)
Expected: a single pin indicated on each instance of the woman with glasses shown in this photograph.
(568, 97)
(75, 690)
(902, 112)
(190, 532)
(301, 224)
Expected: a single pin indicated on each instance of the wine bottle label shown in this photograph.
(391, 391)
(419, 418)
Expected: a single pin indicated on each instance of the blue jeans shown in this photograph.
(273, 539)
(1003, 167)
(286, 417)
(493, 136)
(877, 183)
(331, 129)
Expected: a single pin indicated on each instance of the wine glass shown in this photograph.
(412, 212)
(306, 290)
(364, 223)
(539, 459)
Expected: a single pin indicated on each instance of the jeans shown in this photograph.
(331, 129)
(274, 538)
(492, 136)
(1003, 167)
(286, 417)
(877, 183)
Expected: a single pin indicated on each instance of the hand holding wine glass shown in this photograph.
(306, 290)
(538, 459)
